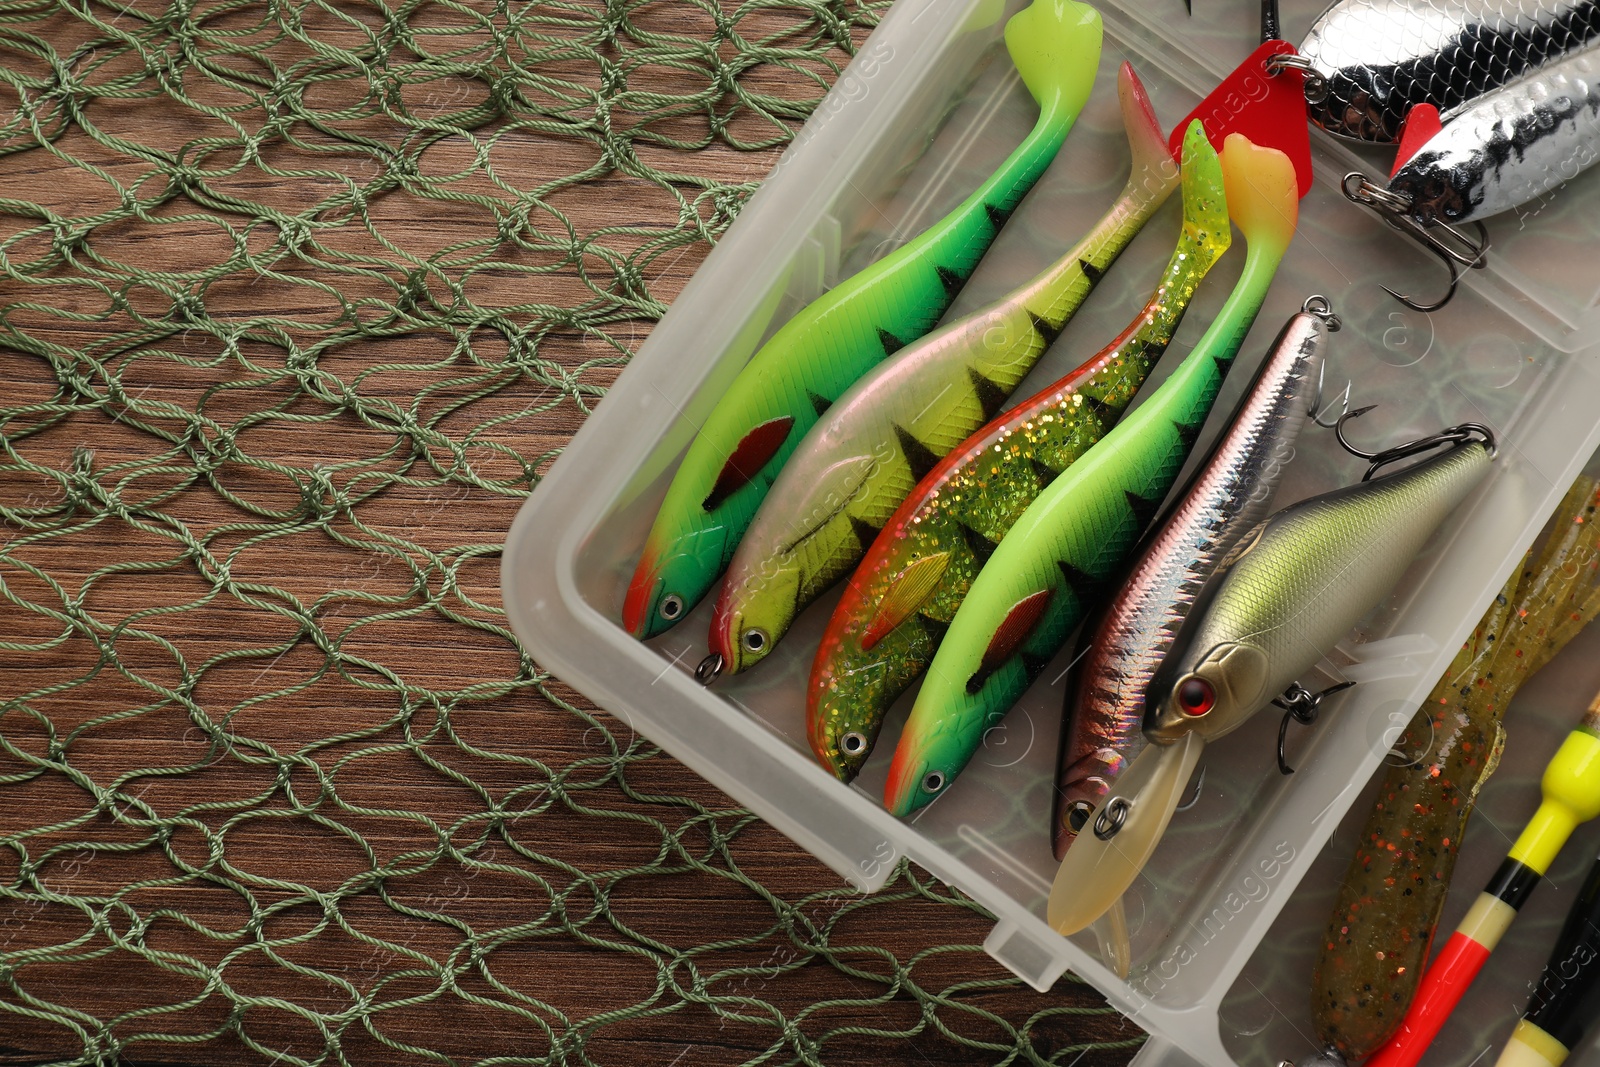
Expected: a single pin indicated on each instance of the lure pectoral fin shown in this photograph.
(815, 356)
(1121, 835)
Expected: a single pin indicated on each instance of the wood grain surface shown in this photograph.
(331, 782)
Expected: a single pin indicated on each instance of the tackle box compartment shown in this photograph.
(925, 111)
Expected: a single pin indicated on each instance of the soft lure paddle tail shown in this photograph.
(1289, 591)
(892, 427)
(885, 629)
(1102, 727)
(1040, 580)
(823, 349)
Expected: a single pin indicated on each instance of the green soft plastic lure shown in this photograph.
(822, 350)
(884, 632)
(892, 427)
(1043, 576)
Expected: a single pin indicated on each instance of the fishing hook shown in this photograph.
(1450, 435)
(1300, 704)
(1199, 783)
(1459, 250)
(709, 668)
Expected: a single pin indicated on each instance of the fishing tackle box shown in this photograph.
(1222, 937)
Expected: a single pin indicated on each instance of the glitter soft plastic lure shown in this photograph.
(1378, 58)
(1102, 727)
(1058, 556)
(884, 631)
(892, 427)
(1287, 593)
(823, 349)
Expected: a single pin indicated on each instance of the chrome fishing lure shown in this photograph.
(1286, 594)
(892, 427)
(1368, 62)
(894, 610)
(823, 349)
(1502, 151)
(1057, 558)
(1102, 726)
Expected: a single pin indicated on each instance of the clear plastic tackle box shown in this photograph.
(1225, 918)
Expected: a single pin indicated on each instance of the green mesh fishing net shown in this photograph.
(297, 301)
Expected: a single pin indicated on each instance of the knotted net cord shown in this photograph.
(298, 300)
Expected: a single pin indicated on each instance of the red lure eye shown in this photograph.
(1195, 696)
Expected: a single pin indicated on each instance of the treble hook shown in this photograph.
(1300, 704)
(1450, 435)
(1460, 250)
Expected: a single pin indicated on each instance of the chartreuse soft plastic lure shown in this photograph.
(884, 631)
(818, 354)
(889, 429)
(1042, 577)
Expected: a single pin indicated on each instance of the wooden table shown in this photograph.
(301, 785)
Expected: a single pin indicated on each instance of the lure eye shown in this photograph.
(1195, 696)
(1078, 815)
(754, 641)
(671, 606)
(933, 782)
(853, 743)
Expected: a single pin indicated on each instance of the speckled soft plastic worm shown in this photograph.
(1040, 580)
(885, 629)
(888, 430)
(1382, 925)
(822, 350)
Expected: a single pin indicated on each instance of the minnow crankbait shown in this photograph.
(892, 427)
(823, 349)
(885, 628)
(1289, 591)
(1379, 58)
(1061, 551)
(1571, 795)
(1102, 728)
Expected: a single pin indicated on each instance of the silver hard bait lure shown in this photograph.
(1231, 494)
(1369, 61)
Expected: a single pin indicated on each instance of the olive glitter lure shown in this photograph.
(1061, 552)
(885, 628)
(1102, 726)
(1570, 789)
(1286, 594)
(892, 427)
(1382, 925)
(824, 348)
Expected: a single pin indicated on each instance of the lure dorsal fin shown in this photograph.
(747, 459)
(906, 594)
(1009, 635)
